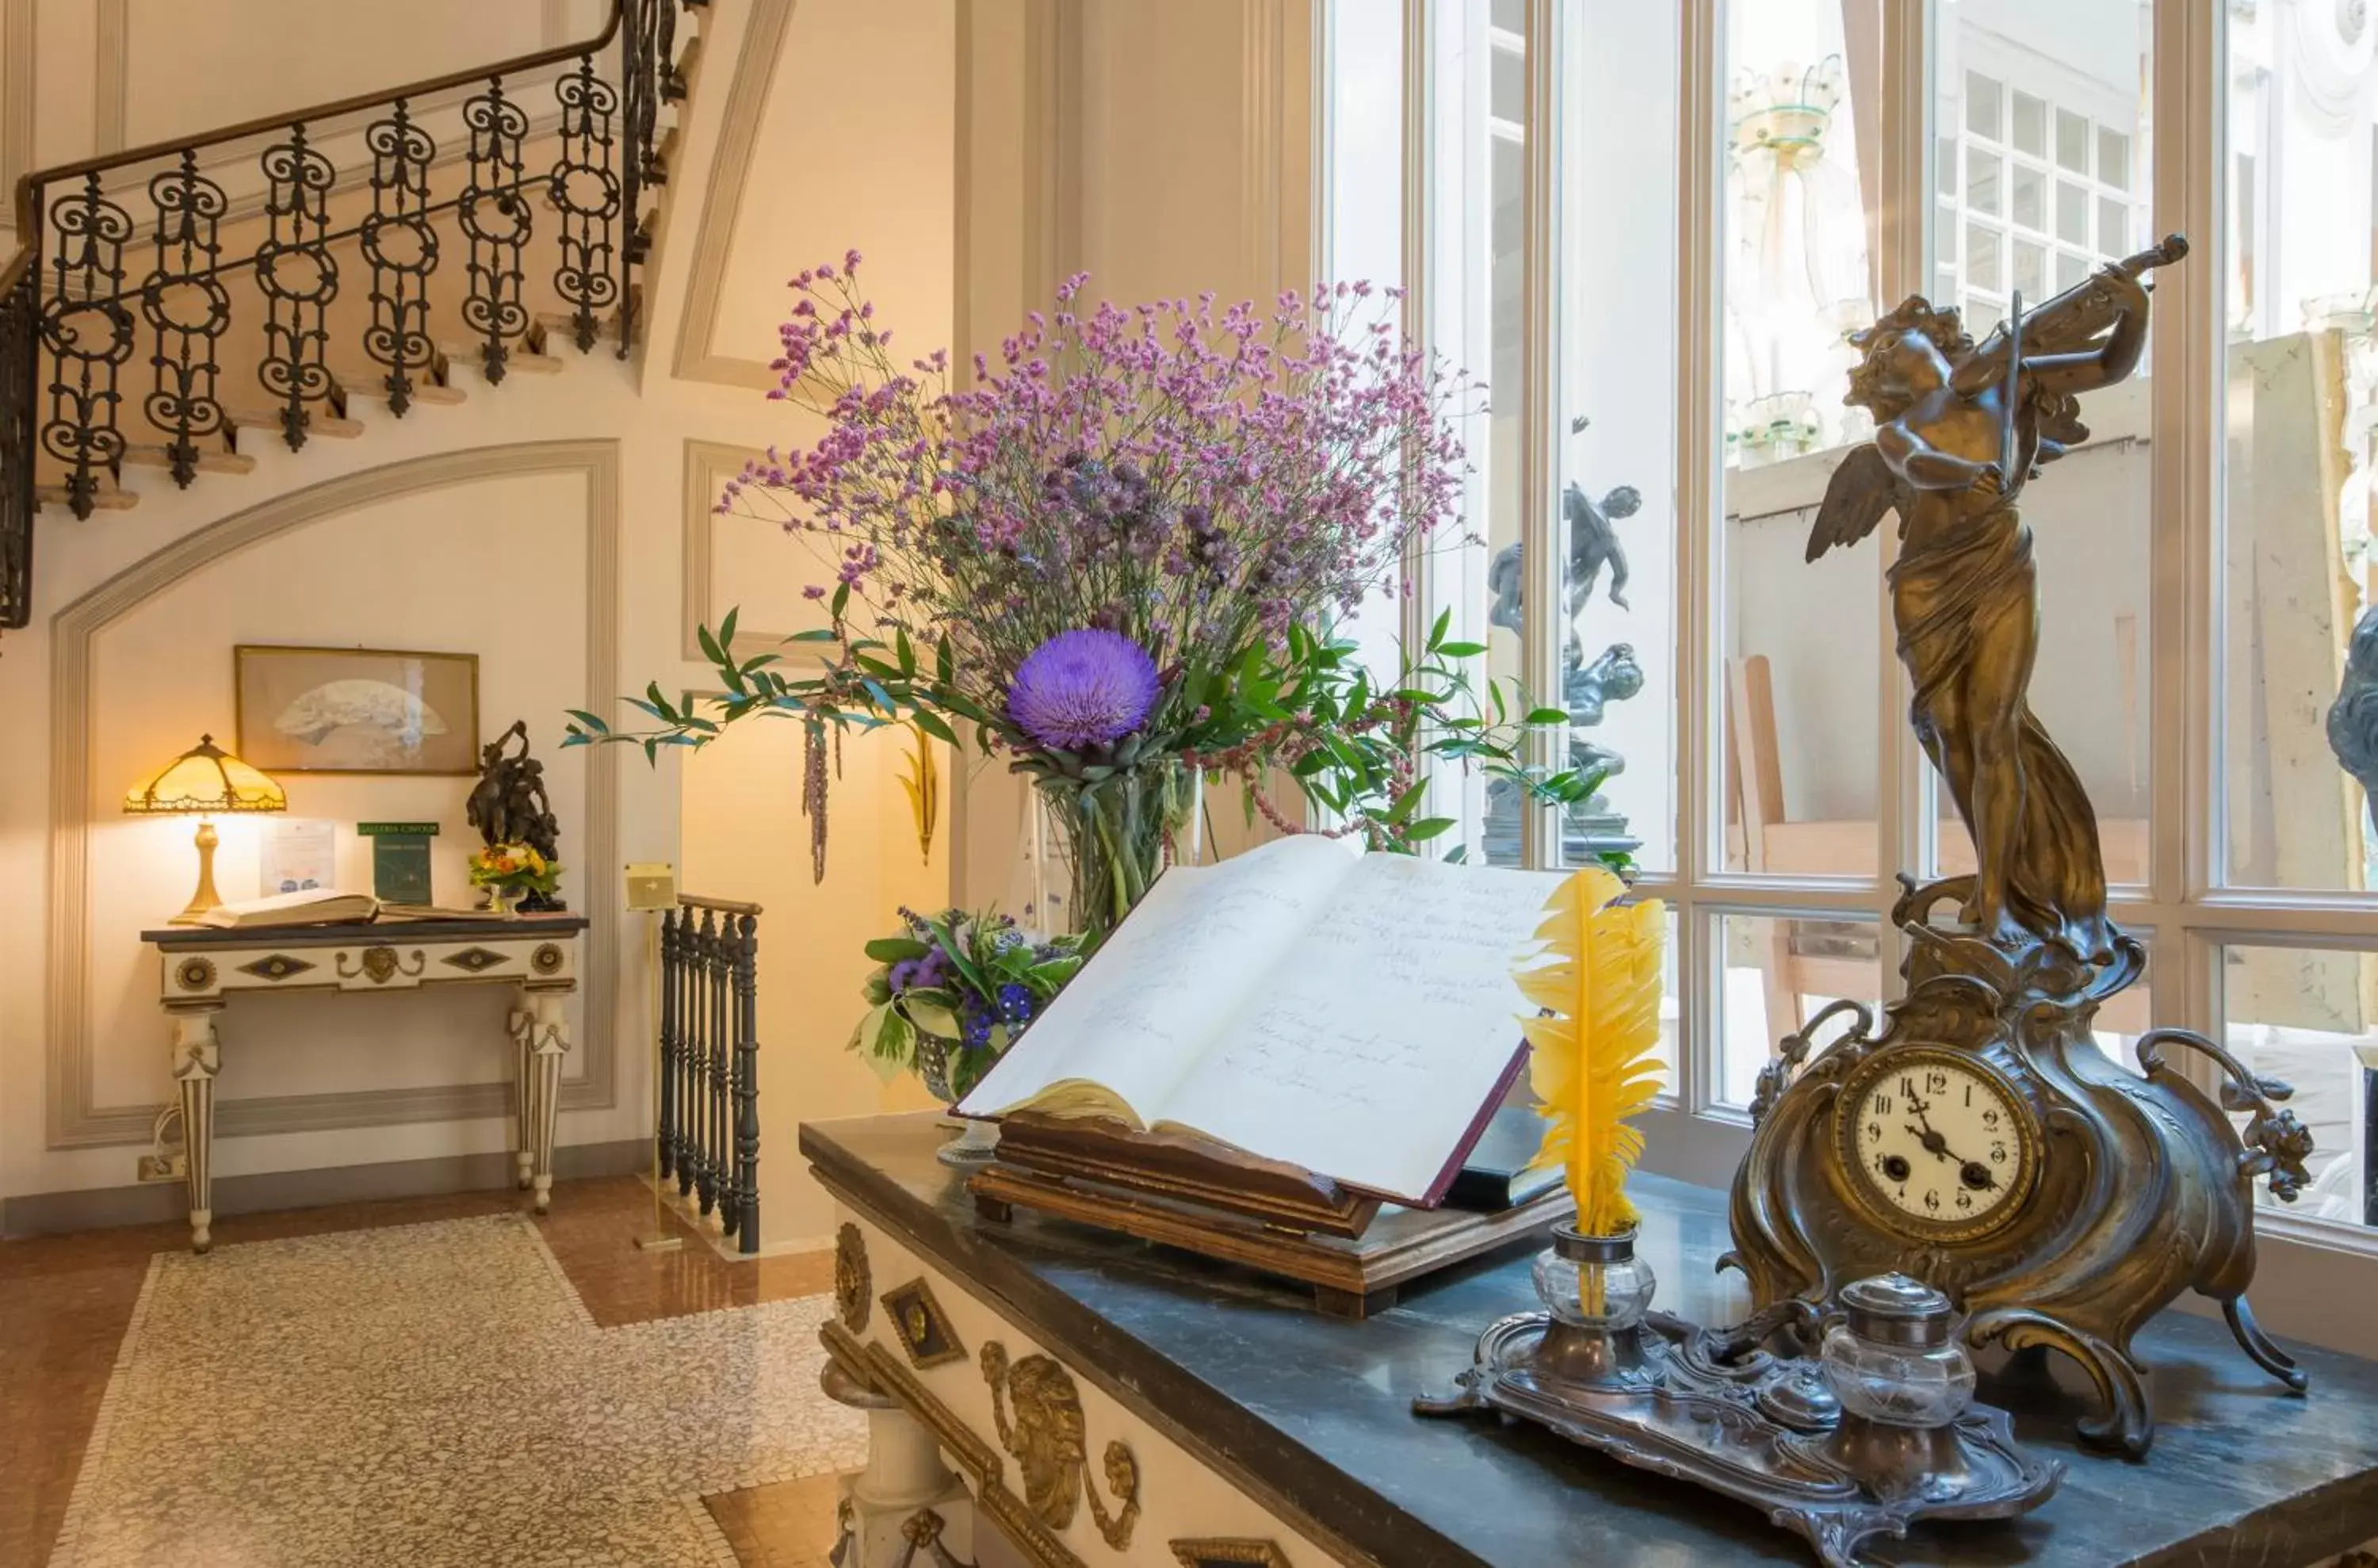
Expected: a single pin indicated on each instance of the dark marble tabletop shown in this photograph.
(177, 938)
(1312, 1415)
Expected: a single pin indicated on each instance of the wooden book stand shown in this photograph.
(1207, 1197)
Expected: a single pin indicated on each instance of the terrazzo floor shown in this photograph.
(424, 1383)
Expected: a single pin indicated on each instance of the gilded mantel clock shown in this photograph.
(1979, 1141)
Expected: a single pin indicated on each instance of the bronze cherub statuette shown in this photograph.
(1980, 1142)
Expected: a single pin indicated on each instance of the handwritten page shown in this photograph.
(1367, 1048)
(1158, 993)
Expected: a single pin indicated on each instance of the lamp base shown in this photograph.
(205, 898)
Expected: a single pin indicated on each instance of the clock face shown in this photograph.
(1936, 1145)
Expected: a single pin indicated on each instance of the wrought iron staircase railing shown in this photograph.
(144, 276)
(708, 1132)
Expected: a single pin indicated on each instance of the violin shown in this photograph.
(2071, 321)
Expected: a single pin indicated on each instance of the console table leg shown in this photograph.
(196, 1057)
(549, 1042)
(522, 1022)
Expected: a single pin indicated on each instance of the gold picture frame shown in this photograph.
(299, 708)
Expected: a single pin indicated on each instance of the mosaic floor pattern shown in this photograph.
(432, 1395)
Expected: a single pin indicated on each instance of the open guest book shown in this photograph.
(1352, 1015)
(323, 906)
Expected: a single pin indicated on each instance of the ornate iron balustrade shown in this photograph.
(709, 1126)
(145, 277)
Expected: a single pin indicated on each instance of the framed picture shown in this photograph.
(357, 710)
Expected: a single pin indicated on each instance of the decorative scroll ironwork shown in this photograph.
(585, 188)
(75, 311)
(403, 249)
(498, 219)
(299, 277)
(709, 1133)
(186, 307)
(88, 334)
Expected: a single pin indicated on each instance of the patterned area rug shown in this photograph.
(434, 1395)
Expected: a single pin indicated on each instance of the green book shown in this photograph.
(399, 859)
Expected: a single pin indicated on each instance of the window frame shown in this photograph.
(2184, 910)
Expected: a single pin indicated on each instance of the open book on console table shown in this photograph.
(1353, 1014)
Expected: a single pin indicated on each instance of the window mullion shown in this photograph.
(1700, 814)
(1543, 553)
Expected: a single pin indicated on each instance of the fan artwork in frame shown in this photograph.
(357, 710)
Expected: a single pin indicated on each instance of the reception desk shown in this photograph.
(1112, 1402)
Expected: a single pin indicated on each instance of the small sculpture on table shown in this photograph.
(509, 805)
(1590, 827)
(1980, 1142)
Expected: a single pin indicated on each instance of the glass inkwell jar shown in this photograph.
(1895, 1358)
(1597, 1291)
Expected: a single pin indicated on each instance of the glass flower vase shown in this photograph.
(1113, 834)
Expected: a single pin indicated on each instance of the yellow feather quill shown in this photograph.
(1599, 979)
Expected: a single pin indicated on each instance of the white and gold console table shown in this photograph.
(203, 968)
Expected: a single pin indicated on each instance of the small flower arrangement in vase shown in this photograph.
(511, 872)
(949, 995)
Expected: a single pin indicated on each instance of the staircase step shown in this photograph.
(557, 330)
(210, 461)
(679, 86)
(523, 360)
(108, 499)
(269, 419)
(371, 384)
(665, 154)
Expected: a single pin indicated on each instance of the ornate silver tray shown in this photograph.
(1673, 1398)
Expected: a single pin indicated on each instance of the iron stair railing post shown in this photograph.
(689, 1151)
(722, 1132)
(586, 189)
(188, 308)
(705, 1070)
(402, 247)
(665, 1117)
(20, 348)
(88, 334)
(746, 1084)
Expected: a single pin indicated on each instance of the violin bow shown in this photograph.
(2008, 436)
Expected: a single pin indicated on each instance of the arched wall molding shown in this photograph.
(73, 1120)
(695, 358)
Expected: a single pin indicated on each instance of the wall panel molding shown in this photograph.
(16, 94)
(695, 358)
(111, 105)
(73, 1118)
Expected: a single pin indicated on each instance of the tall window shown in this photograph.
(1650, 228)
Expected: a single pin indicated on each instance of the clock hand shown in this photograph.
(1934, 1144)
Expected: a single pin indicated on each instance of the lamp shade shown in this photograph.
(206, 778)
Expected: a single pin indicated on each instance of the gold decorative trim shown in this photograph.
(381, 965)
(722, 201)
(73, 1118)
(1214, 1554)
(195, 974)
(880, 1370)
(548, 958)
(474, 960)
(1049, 1441)
(923, 1327)
(275, 967)
(852, 1283)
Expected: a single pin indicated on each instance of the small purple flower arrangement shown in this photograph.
(952, 991)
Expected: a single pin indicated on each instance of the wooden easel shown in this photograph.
(1203, 1197)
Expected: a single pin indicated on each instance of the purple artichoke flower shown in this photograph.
(903, 975)
(1083, 688)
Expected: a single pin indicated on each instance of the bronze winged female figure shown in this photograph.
(1961, 425)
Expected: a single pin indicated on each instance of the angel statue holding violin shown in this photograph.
(1961, 427)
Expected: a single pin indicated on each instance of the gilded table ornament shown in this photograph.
(922, 1533)
(1048, 1439)
(923, 1327)
(1978, 1140)
(195, 974)
(1232, 1553)
(275, 967)
(852, 1285)
(381, 965)
(547, 957)
(474, 960)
